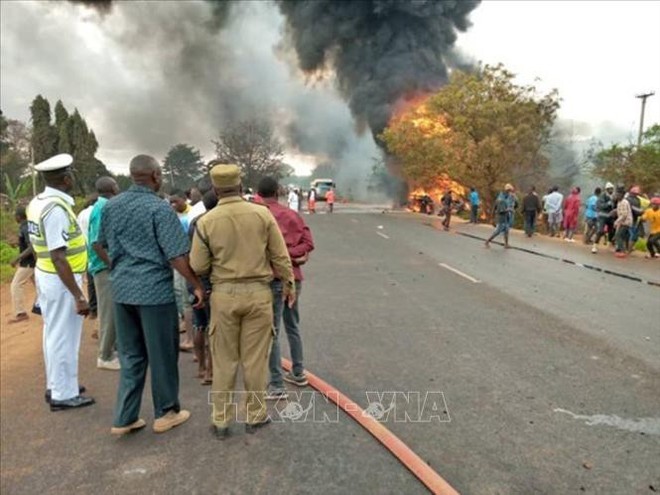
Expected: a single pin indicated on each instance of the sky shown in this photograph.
(598, 54)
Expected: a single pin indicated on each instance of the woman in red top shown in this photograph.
(571, 214)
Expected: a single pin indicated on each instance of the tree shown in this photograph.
(123, 181)
(61, 114)
(253, 146)
(70, 134)
(627, 165)
(183, 165)
(482, 130)
(14, 155)
(44, 135)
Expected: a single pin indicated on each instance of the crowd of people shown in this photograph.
(229, 269)
(617, 216)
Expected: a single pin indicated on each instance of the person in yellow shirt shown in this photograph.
(652, 216)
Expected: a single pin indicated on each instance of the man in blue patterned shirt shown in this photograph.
(144, 240)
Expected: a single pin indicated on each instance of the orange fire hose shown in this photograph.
(400, 450)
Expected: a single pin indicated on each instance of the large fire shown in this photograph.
(425, 198)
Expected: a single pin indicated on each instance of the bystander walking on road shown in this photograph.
(83, 222)
(502, 212)
(652, 216)
(239, 245)
(293, 199)
(330, 200)
(182, 209)
(637, 228)
(474, 205)
(591, 216)
(571, 214)
(623, 222)
(553, 205)
(299, 244)
(446, 205)
(531, 209)
(24, 264)
(202, 316)
(99, 268)
(145, 241)
(61, 253)
(606, 215)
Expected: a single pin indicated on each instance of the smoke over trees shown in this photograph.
(203, 65)
(482, 129)
(381, 50)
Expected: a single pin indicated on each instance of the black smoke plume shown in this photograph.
(380, 50)
(102, 6)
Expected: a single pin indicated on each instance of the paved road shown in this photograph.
(548, 387)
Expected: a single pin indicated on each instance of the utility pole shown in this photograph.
(643, 97)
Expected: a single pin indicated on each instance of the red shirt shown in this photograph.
(296, 233)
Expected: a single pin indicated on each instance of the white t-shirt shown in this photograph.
(83, 220)
(553, 202)
(293, 200)
(196, 210)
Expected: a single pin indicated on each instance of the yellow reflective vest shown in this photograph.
(76, 249)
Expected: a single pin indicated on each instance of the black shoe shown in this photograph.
(76, 402)
(81, 390)
(251, 429)
(220, 433)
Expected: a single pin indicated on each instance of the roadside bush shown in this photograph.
(8, 226)
(7, 253)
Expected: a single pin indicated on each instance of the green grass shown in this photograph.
(7, 253)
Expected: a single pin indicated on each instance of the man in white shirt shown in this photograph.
(553, 204)
(293, 199)
(61, 260)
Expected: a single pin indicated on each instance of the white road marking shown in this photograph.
(355, 220)
(460, 273)
(384, 236)
(650, 426)
(136, 471)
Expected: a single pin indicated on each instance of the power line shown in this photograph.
(643, 97)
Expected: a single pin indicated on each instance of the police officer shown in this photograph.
(239, 244)
(59, 247)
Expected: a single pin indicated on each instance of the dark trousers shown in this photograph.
(653, 244)
(91, 293)
(530, 222)
(602, 223)
(474, 213)
(147, 336)
(291, 318)
(445, 222)
(622, 238)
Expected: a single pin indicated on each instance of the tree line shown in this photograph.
(252, 144)
(484, 130)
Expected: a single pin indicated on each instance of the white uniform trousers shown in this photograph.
(62, 332)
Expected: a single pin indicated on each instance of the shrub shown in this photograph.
(7, 253)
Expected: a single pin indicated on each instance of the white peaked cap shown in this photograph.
(57, 162)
